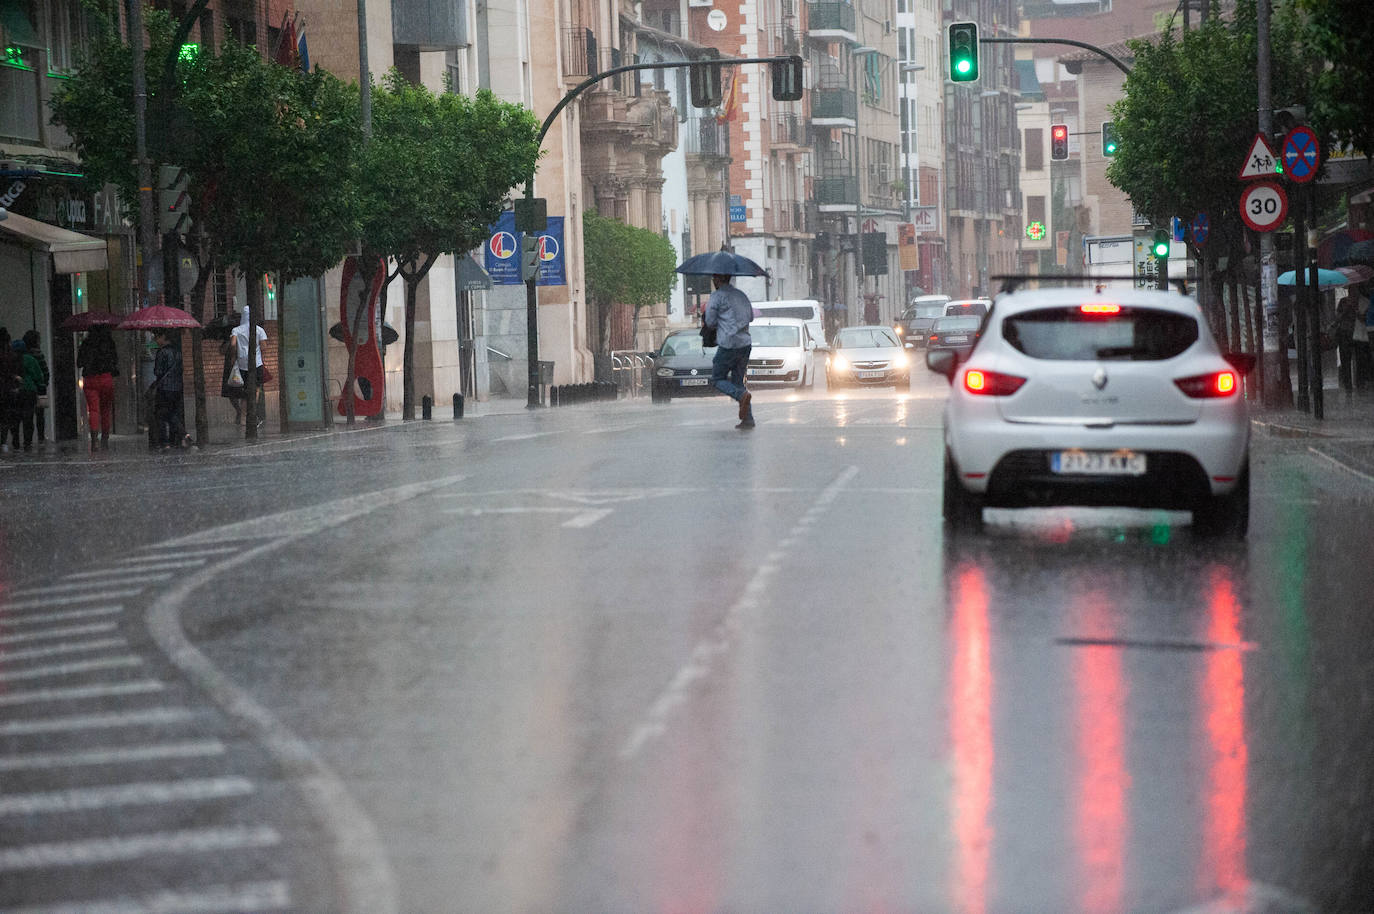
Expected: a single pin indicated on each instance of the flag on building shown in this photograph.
(286, 46)
(729, 111)
(302, 52)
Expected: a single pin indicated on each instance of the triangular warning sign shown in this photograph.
(1260, 161)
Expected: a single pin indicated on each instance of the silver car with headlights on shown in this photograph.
(867, 356)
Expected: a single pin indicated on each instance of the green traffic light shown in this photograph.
(964, 65)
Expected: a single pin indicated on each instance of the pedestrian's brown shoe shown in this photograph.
(744, 405)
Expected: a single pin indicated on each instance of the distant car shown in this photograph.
(782, 351)
(867, 356)
(915, 321)
(807, 309)
(1097, 397)
(977, 307)
(956, 334)
(682, 368)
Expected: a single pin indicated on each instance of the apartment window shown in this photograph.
(21, 33)
(68, 35)
(1035, 210)
(1034, 152)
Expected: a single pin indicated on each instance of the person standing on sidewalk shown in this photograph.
(31, 379)
(31, 341)
(11, 377)
(167, 385)
(1343, 331)
(729, 311)
(99, 364)
(239, 337)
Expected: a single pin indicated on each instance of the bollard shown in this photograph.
(426, 407)
(457, 406)
(553, 395)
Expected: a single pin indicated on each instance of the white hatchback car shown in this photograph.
(1097, 397)
(783, 352)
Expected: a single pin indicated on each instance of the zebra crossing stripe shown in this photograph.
(72, 586)
(95, 628)
(140, 794)
(69, 599)
(133, 847)
(64, 616)
(80, 693)
(75, 668)
(249, 898)
(112, 755)
(72, 722)
(130, 571)
(57, 650)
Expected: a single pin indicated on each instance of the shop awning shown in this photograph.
(471, 276)
(72, 252)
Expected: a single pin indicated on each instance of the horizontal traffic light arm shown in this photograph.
(1078, 44)
(590, 81)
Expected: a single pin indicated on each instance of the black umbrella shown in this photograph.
(721, 263)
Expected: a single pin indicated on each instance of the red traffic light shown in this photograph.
(1059, 142)
(1060, 132)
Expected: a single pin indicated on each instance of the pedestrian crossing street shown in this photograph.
(113, 772)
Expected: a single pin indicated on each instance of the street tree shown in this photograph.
(436, 174)
(624, 265)
(1338, 45)
(270, 152)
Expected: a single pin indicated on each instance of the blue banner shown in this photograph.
(502, 255)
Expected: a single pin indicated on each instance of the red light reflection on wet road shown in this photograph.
(1102, 779)
(1223, 713)
(971, 735)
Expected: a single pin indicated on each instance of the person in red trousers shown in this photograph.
(99, 364)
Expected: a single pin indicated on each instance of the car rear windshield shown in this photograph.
(946, 324)
(804, 312)
(686, 344)
(923, 311)
(864, 338)
(774, 335)
(1134, 334)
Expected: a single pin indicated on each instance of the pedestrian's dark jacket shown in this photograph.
(167, 369)
(10, 371)
(42, 361)
(31, 373)
(97, 355)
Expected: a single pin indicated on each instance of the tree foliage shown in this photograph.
(436, 174)
(1337, 44)
(624, 265)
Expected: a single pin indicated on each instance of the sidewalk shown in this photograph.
(1345, 434)
(224, 438)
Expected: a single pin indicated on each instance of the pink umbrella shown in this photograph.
(158, 317)
(1357, 273)
(85, 320)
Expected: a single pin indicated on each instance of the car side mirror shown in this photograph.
(811, 345)
(1244, 362)
(943, 361)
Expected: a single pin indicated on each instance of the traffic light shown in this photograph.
(529, 256)
(705, 79)
(787, 79)
(174, 200)
(963, 52)
(1160, 246)
(1059, 141)
(1109, 141)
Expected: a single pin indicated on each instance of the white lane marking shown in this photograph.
(587, 518)
(69, 599)
(74, 668)
(1349, 469)
(248, 898)
(57, 650)
(73, 586)
(129, 571)
(721, 639)
(133, 847)
(79, 693)
(177, 554)
(521, 437)
(67, 615)
(305, 521)
(582, 517)
(357, 853)
(69, 631)
(73, 722)
(150, 793)
(113, 755)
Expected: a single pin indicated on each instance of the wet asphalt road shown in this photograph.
(619, 657)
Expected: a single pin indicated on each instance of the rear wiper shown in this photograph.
(1116, 352)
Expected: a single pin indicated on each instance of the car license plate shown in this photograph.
(871, 374)
(695, 382)
(956, 339)
(1098, 463)
(764, 372)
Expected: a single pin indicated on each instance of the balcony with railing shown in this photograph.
(702, 136)
(789, 216)
(831, 20)
(788, 131)
(785, 38)
(836, 188)
(580, 55)
(834, 107)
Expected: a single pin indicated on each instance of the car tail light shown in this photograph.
(1204, 386)
(1100, 308)
(991, 383)
(932, 339)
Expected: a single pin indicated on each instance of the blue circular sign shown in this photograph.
(1300, 154)
(1200, 228)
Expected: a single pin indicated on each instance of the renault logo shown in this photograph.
(1100, 378)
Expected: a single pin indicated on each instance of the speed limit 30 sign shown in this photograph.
(1263, 206)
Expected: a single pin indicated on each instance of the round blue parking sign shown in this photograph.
(1301, 154)
(1200, 226)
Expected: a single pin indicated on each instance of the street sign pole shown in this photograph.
(1276, 390)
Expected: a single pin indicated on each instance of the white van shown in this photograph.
(807, 309)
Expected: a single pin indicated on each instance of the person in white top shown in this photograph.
(239, 337)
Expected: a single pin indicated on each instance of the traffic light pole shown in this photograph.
(531, 294)
(1069, 41)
